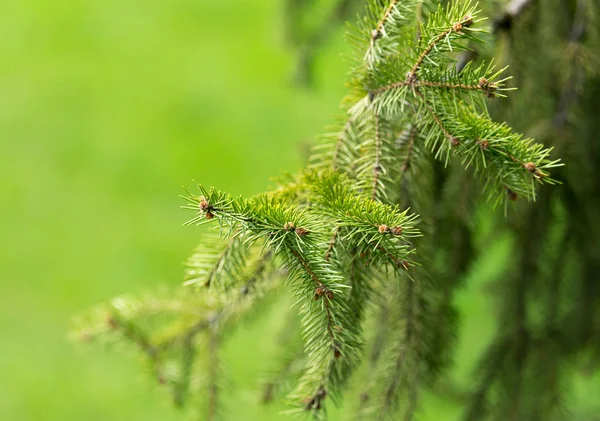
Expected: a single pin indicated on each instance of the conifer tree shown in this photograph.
(371, 240)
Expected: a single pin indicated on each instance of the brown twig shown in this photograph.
(339, 142)
(377, 167)
(453, 140)
(457, 27)
(484, 86)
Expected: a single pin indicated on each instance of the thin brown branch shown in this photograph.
(453, 140)
(136, 335)
(485, 86)
(457, 27)
(409, 149)
(399, 263)
(332, 243)
(323, 291)
(220, 261)
(391, 86)
(338, 144)
(377, 32)
(377, 170)
(408, 340)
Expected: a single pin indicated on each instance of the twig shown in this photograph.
(377, 167)
(457, 27)
(339, 142)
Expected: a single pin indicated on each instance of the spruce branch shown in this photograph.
(217, 263)
(343, 236)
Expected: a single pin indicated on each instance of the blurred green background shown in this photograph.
(106, 109)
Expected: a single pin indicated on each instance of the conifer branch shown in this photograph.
(339, 235)
(116, 322)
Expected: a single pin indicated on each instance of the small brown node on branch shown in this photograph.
(302, 232)
(397, 230)
(457, 27)
(111, 322)
(314, 402)
(383, 229)
(531, 167)
(488, 87)
(371, 96)
(203, 204)
(329, 294)
(511, 194)
(337, 353)
(467, 21)
(405, 264)
(376, 34)
(454, 141)
(205, 207)
(319, 291)
(289, 226)
(484, 144)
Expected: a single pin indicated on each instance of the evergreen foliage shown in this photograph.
(361, 241)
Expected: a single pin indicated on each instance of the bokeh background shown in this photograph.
(108, 108)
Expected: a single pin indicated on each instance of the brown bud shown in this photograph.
(336, 352)
(467, 21)
(511, 195)
(454, 141)
(376, 34)
(302, 232)
(289, 226)
(397, 230)
(111, 322)
(209, 215)
(457, 27)
(320, 290)
(321, 393)
(329, 294)
(383, 229)
(405, 264)
(484, 144)
(203, 204)
(488, 87)
(530, 166)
